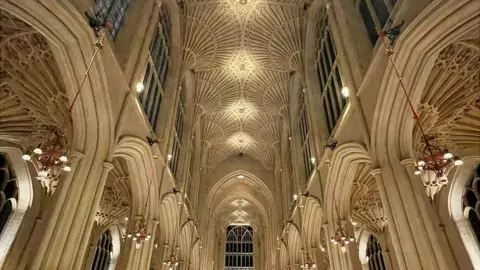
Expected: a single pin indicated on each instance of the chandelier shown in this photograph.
(341, 237)
(171, 263)
(51, 154)
(140, 234)
(433, 158)
(308, 264)
(436, 159)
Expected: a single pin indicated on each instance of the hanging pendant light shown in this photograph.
(432, 157)
(308, 263)
(140, 234)
(51, 155)
(342, 238)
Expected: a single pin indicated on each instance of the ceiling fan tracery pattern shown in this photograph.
(450, 103)
(32, 97)
(242, 54)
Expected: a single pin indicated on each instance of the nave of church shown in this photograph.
(240, 134)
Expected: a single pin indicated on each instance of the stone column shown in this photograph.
(415, 237)
(67, 230)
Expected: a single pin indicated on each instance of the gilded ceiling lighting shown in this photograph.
(342, 238)
(241, 9)
(242, 109)
(241, 65)
(433, 158)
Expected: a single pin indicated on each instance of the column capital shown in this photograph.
(76, 155)
(376, 172)
(408, 162)
(108, 166)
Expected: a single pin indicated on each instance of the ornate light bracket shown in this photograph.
(433, 157)
(140, 234)
(393, 31)
(342, 238)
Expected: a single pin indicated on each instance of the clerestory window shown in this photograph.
(114, 11)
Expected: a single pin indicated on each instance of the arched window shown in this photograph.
(103, 252)
(374, 254)
(239, 249)
(8, 191)
(178, 133)
(114, 11)
(305, 135)
(329, 76)
(471, 201)
(155, 79)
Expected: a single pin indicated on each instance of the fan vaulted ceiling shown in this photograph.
(242, 53)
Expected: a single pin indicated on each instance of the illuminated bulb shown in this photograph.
(138, 234)
(295, 197)
(352, 239)
(67, 168)
(240, 177)
(332, 240)
(345, 91)
(421, 163)
(354, 223)
(457, 161)
(312, 159)
(129, 235)
(176, 264)
(323, 249)
(314, 266)
(37, 151)
(27, 157)
(126, 218)
(343, 249)
(448, 155)
(63, 159)
(169, 157)
(418, 172)
(343, 238)
(139, 87)
(155, 246)
(134, 238)
(346, 242)
(137, 245)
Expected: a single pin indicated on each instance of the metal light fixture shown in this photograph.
(433, 158)
(341, 237)
(171, 263)
(51, 159)
(51, 155)
(140, 234)
(436, 159)
(308, 263)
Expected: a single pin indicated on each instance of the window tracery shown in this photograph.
(113, 10)
(239, 248)
(8, 190)
(375, 254)
(329, 76)
(471, 201)
(178, 133)
(155, 78)
(308, 160)
(103, 252)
